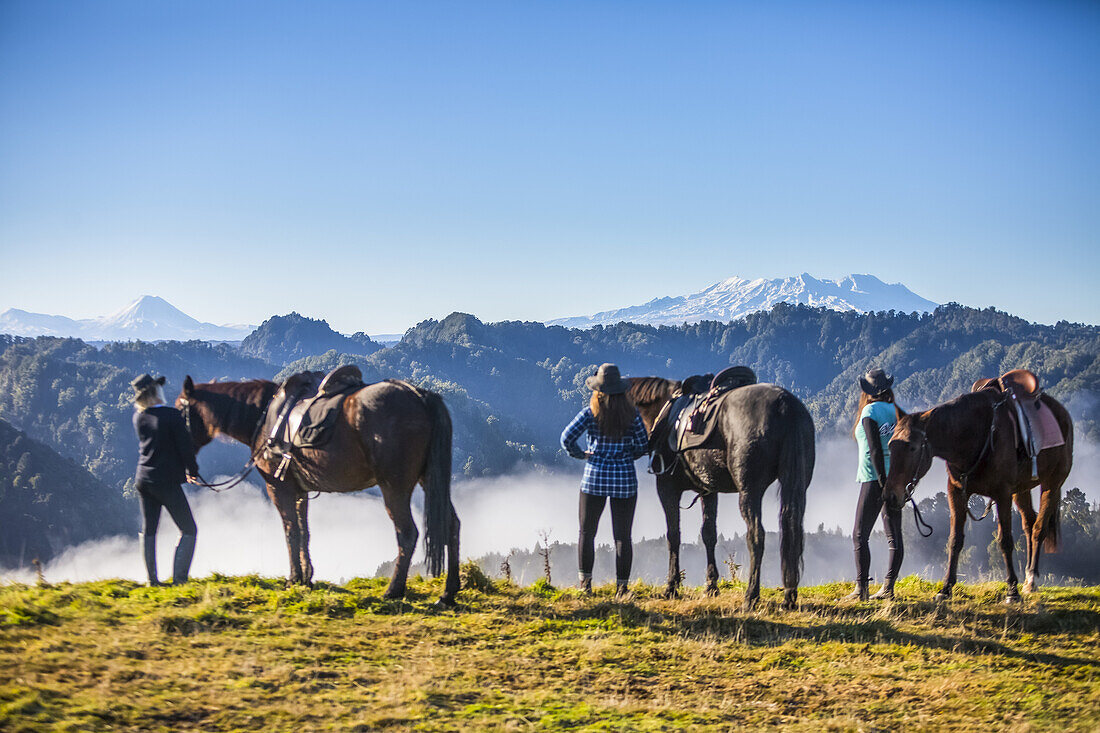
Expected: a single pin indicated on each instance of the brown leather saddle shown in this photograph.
(304, 411)
(693, 415)
(1036, 426)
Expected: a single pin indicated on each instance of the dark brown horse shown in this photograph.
(764, 434)
(390, 434)
(974, 435)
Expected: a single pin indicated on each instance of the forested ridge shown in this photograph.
(511, 386)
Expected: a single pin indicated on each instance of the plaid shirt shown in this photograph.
(609, 463)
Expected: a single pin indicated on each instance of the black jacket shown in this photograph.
(165, 453)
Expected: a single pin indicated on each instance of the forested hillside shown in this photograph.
(511, 386)
(48, 502)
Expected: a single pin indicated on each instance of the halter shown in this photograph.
(242, 474)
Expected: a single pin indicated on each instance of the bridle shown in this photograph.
(963, 477)
(914, 479)
(241, 475)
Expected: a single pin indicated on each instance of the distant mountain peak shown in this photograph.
(149, 318)
(735, 297)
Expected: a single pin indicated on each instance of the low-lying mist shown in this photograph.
(351, 535)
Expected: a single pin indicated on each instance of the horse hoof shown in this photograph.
(1012, 599)
(671, 593)
(712, 591)
(941, 597)
(392, 595)
(446, 602)
(749, 605)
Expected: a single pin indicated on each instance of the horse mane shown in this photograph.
(238, 406)
(649, 390)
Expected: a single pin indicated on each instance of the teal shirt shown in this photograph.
(882, 413)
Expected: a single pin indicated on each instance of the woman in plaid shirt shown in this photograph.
(616, 438)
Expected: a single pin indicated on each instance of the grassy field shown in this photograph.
(245, 653)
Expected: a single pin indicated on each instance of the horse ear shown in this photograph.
(188, 385)
(899, 413)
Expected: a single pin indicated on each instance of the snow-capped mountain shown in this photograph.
(149, 318)
(736, 297)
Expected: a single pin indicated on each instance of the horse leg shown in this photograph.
(710, 539)
(400, 511)
(957, 501)
(754, 536)
(1027, 518)
(301, 507)
(670, 502)
(284, 497)
(454, 580)
(1045, 530)
(1004, 536)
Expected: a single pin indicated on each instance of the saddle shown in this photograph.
(304, 411)
(693, 415)
(1036, 426)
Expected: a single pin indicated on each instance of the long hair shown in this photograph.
(150, 398)
(865, 399)
(614, 413)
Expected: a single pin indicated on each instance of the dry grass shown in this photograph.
(243, 653)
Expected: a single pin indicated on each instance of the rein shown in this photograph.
(242, 474)
(963, 477)
(911, 487)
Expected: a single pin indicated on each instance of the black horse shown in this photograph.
(764, 433)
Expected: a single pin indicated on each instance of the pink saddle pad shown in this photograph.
(1048, 434)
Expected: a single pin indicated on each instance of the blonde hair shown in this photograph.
(150, 398)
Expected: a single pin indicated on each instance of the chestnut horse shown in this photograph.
(390, 434)
(974, 435)
(764, 434)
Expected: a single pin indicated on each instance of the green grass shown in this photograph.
(246, 654)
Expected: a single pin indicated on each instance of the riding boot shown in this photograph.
(149, 543)
(860, 592)
(622, 589)
(181, 565)
(886, 592)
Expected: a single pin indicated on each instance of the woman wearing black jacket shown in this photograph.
(166, 458)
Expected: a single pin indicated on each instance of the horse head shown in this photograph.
(650, 395)
(197, 413)
(910, 457)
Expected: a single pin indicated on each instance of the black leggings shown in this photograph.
(622, 517)
(172, 498)
(867, 511)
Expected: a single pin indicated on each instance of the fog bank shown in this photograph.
(351, 534)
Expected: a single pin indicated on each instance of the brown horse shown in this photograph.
(764, 434)
(390, 434)
(973, 434)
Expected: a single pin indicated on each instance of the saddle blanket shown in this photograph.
(1048, 433)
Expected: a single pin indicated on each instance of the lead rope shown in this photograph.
(241, 475)
(919, 520)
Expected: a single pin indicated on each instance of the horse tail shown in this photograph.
(436, 481)
(796, 468)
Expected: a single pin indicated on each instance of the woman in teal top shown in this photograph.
(874, 424)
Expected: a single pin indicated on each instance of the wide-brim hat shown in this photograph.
(146, 382)
(875, 382)
(607, 380)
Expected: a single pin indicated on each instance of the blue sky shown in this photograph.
(534, 160)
